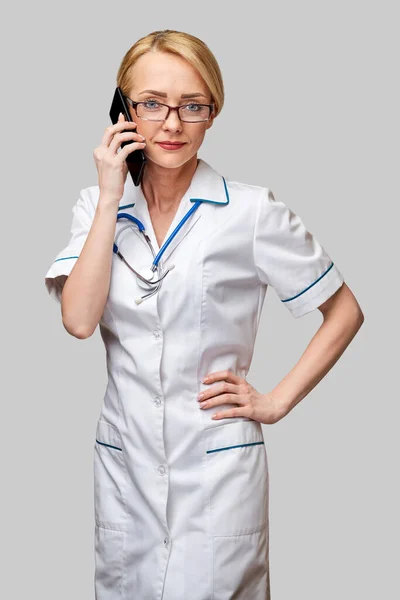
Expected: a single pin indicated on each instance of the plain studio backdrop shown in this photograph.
(311, 111)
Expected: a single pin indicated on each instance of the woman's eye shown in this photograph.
(193, 107)
(151, 102)
(154, 104)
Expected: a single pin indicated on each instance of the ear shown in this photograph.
(210, 122)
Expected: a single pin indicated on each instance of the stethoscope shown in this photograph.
(143, 282)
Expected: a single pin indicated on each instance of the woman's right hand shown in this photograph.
(111, 165)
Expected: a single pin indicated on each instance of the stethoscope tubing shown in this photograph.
(146, 240)
(142, 229)
(156, 258)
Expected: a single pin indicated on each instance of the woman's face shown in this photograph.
(172, 76)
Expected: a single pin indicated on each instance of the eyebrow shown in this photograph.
(166, 95)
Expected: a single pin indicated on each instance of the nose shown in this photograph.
(173, 121)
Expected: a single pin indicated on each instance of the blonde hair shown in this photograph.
(189, 47)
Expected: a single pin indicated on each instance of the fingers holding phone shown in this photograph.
(119, 140)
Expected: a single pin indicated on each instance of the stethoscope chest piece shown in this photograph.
(148, 274)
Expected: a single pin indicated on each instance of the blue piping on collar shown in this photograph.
(193, 199)
(214, 201)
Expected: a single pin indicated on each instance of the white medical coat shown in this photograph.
(181, 500)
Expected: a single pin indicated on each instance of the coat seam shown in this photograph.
(203, 431)
(265, 190)
(117, 363)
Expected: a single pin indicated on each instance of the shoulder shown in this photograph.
(247, 195)
(240, 187)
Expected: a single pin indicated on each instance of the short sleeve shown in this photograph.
(290, 259)
(82, 218)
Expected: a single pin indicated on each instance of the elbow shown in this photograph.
(360, 318)
(72, 324)
(353, 318)
(81, 333)
(355, 314)
(343, 305)
(76, 329)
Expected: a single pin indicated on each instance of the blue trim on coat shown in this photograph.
(230, 447)
(125, 206)
(108, 445)
(310, 286)
(66, 258)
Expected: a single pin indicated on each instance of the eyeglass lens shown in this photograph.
(155, 111)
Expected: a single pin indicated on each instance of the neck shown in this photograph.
(164, 188)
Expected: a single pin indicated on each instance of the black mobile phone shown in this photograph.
(136, 160)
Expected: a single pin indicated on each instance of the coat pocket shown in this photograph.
(241, 567)
(110, 478)
(109, 580)
(237, 473)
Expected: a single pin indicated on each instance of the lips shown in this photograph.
(171, 145)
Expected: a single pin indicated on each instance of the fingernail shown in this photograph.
(206, 378)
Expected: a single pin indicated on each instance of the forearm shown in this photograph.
(323, 351)
(86, 288)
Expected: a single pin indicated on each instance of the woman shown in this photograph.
(181, 488)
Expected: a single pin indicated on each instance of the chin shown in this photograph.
(170, 161)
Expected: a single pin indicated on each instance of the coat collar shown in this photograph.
(207, 186)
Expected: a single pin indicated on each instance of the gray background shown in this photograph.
(328, 146)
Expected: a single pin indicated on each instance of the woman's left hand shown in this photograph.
(232, 389)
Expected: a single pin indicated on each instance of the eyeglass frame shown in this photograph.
(134, 104)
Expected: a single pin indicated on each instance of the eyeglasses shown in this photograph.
(152, 110)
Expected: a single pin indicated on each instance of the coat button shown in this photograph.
(157, 401)
(161, 470)
(166, 542)
(157, 333)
